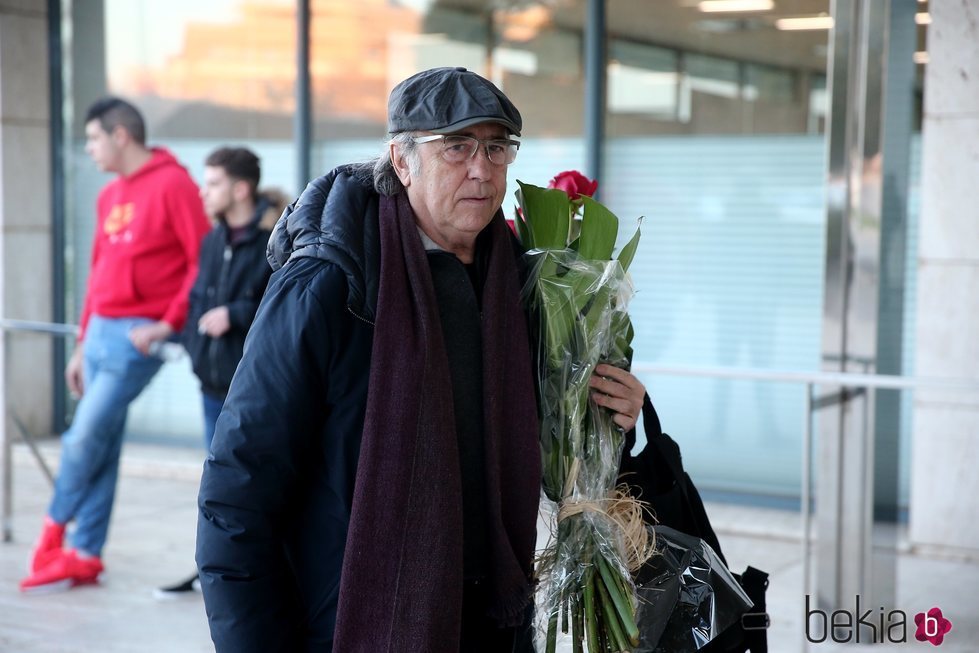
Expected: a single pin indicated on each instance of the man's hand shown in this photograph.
(215, 323)
(145, 335)
(73, 372)
(620, 392)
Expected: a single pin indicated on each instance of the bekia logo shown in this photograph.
(932, 626)
(874, 626)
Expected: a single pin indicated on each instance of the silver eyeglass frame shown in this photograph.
(430, 138)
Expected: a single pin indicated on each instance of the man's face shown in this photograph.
(217, 192)
(101, 147)
(457, 200)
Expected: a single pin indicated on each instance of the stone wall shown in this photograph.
(945, 448)
(25, 207)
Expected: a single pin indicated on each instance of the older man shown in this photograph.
(374, 477)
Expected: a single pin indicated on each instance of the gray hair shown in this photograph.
(381, 170)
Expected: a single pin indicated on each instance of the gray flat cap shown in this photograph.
(444, 100)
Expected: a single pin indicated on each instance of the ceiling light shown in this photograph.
(722, 26)
(805, 23)
(921, 57)
(731, 6)
(922, 19)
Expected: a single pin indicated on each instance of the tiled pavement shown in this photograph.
(152, 541)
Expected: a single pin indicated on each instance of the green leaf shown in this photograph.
(621, 351)
(629, 251)
(548, 214)
(599, 227)
(523, 231)
(596, 318)
(557, 311)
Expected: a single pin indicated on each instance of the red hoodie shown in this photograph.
(144, 255)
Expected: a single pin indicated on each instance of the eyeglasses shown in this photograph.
(456, 148)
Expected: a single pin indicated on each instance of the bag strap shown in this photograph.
(670, 454)
(650, 418)
(756, 622)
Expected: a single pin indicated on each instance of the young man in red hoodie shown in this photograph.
(144, 261)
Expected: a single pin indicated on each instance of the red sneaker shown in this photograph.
(63, 572)
(48, 545)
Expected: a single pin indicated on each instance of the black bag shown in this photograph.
(656, 476)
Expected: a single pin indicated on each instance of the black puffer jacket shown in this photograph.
(277, 487)
(233, 275)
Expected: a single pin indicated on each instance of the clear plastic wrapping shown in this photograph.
(585, 587)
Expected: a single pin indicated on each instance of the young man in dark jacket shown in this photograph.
(232, 274)
(374, 478)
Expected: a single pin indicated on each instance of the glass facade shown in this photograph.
(714, 135)
(204, 75)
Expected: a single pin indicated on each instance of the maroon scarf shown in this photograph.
(401, 584)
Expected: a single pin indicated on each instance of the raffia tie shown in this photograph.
(624, 511)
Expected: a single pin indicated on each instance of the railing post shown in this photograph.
(806, 499)
(9, 417)
(805, 495)
(6, 464)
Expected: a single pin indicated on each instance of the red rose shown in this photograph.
(574, 184)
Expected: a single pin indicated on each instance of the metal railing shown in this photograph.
(7, 328)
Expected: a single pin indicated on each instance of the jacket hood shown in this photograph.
(272, 202)
(160, 158)
(335, 220)
(268, 208)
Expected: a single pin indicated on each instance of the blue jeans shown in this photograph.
(114, 374)
(212, 408)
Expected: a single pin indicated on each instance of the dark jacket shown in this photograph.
(233, 275)
(277, 487)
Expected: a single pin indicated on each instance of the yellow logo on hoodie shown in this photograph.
(119, 218)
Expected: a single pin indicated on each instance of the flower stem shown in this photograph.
(616, 636)
(591, 618)
(565, 609)
(577, 624)
(551, 645)
(622, 604)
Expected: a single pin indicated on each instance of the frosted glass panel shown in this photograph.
(729, 273)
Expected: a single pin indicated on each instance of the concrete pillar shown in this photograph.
(25, 207)
(945, 441)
